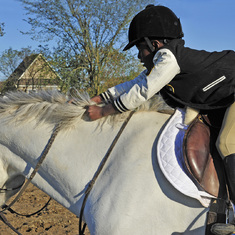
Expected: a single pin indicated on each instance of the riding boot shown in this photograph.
(229, 164)
(227, 228)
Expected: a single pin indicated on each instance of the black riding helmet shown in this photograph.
(157, 22)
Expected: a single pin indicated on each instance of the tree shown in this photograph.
(87, 33)
(121, 67)
(1, 29)
(10, 59)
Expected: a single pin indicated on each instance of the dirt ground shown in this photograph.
(55, 219)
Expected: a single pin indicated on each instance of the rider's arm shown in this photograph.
(114, 92)
(143, 88)
(164, 70)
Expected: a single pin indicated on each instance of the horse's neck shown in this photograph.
(76, 154)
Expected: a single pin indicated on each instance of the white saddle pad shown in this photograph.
(170, 154)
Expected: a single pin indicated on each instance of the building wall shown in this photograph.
(39, 75)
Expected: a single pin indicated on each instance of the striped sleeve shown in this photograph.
(106, 96)
(119, 106)
(116, 103)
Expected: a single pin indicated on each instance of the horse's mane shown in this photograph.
(52, 107)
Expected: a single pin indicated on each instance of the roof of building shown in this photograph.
(25, 65)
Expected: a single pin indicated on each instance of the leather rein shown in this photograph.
(4, 190)
(23, 186)
(92, 182)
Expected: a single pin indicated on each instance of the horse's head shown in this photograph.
(10, 182)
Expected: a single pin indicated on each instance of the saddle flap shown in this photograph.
(198, 159)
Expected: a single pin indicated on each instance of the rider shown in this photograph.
(198, 79)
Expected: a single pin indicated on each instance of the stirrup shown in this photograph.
(226, 227)
(223, 229)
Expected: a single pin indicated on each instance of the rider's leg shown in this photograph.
(226, 147)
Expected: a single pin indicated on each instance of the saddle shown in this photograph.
(203, 163)
(205, 167)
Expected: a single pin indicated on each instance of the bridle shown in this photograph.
(6, 207)
(25, 185)
(4, 190)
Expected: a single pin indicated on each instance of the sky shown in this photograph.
(207, 24)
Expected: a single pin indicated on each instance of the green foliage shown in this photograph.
(121, 67)
(7, 86)
(88, 34)
(10, 59)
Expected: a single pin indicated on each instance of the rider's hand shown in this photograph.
(97, 99)
(96, 112)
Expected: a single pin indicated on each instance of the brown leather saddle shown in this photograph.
(202, 161)
(205, 167)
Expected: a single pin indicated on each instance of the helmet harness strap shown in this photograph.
(150, 45)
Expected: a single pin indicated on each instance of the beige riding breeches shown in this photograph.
(226, 139)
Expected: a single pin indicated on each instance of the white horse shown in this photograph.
(130, 196)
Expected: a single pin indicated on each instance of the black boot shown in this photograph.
(229, 164)
(227, 228)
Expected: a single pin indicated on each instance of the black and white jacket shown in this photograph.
(199, 79)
